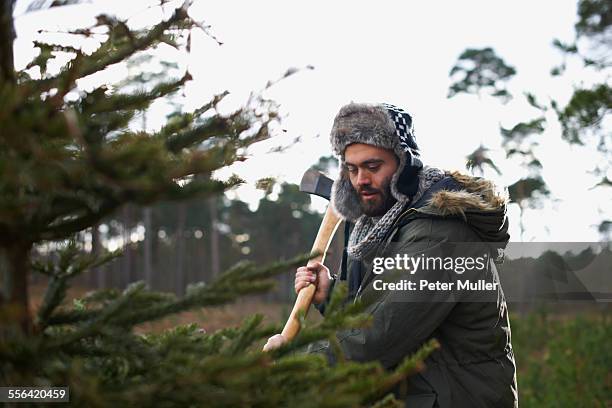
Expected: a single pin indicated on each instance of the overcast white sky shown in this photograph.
(388, 51)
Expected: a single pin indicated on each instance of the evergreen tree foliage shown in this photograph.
(584, 119)
(481, 69)
(478, 159)
(69, 158)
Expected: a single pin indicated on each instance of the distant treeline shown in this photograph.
(180, 243)
(176, 244)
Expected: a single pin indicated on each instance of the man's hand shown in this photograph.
(317, 274)
(274, 342)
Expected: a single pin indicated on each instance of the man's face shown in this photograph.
(370, 170)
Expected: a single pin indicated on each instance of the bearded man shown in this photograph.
(399, 210)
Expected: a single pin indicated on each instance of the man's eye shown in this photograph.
(351, 170)
(374, 167)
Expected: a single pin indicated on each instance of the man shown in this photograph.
(403, 211)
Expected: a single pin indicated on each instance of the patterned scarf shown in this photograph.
(369, 232)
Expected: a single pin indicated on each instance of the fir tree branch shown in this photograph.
(242, 279)
(110, 53)
(92, 327)
(75, 224)
(183, 121)
(61, 222)
(136, 101)
(70, 265)
(214, 126)
(406, 368)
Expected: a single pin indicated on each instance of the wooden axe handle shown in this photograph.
(304, 299)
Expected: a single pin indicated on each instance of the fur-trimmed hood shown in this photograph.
(476, 200)
(475, 194)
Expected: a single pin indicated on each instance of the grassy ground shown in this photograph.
(564, 361)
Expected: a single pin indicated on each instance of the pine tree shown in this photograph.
(584, 119)
(65, 164)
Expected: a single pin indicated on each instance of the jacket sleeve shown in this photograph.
(322, 306)
(342, 273)
(403, 319)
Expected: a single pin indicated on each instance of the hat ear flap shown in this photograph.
(344, 198)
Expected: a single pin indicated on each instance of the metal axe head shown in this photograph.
(315, 182)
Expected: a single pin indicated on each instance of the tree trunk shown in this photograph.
(215, 266)
(180, 250)
(7, 36)
(522, 198)
(148, 246)
(14, 272)
(96, 274)
(126, 269)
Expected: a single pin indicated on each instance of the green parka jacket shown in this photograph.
(458, 217)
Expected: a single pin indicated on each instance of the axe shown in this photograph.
(313, 182)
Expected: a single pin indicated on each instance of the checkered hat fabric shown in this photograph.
(403, 129)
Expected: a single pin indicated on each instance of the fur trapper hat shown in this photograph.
(381, 125)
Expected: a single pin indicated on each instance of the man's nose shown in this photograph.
(363, 178)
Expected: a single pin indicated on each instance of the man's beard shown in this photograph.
(381, 204)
